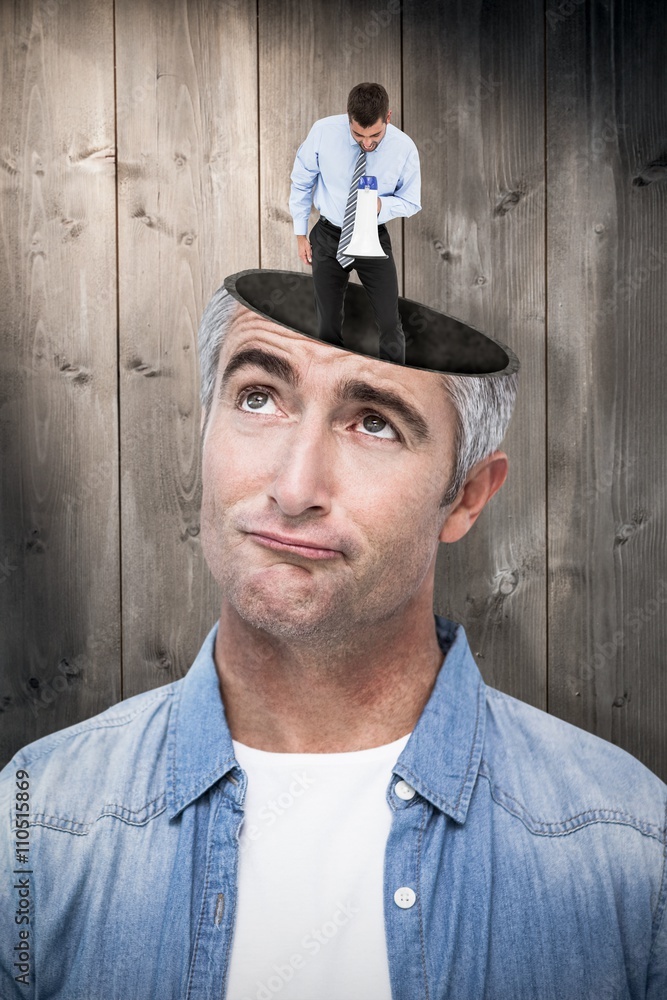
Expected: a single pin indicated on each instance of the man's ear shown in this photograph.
(484, 480)
(388, 118)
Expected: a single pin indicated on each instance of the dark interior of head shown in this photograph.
(433, 341)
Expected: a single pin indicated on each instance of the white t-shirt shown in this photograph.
(310, 911)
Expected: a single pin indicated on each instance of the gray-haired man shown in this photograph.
(332, 804)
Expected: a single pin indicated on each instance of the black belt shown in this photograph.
(337, 229)
(330, 225)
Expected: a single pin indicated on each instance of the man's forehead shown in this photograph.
(250, 330)
(375, 127)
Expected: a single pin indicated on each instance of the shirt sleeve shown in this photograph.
(405, 201)
(656, 983)
(304, 175)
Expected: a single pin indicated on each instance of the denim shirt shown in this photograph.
(535, 853)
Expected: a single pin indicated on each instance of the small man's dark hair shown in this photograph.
(366, 103)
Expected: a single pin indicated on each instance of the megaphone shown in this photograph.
(365, 241)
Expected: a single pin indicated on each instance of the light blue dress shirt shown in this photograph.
(324, 167)
(530, 860)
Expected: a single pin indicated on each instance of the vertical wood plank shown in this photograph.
(607, 224)
(59, 565)
(473, 102)
(311, 54)
(188, 216)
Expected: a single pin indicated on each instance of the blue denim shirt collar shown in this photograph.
(199, 744)
(441, 759)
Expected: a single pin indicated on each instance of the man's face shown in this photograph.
(369, 138)
(323, 473)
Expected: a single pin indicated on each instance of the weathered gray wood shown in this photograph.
(188, 161)
(190, 210)
(59, 566)
(311, 54)
(607, 225)
(473, 102)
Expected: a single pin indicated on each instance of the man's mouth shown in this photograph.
(305, 548)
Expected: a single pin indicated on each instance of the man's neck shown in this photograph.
(295, 698)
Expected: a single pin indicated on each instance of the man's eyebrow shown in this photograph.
(357, 391)
(257, 357)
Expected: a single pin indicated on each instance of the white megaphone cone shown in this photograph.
(365, 241)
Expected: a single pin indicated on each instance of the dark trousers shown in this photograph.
(377, 275)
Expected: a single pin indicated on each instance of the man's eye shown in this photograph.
(377, 426)
(257, 399)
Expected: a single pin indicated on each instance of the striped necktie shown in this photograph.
(350, 210)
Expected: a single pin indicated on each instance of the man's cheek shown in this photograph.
(225, 473)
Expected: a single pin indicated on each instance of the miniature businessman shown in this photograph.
(337, 152)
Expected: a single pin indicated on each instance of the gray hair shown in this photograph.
(483, 404)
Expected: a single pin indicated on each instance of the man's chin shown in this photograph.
(289, 606)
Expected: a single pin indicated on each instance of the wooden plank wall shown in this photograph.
(543, 146)
(188, 165)
(476, 251)
(607, 270)
(59, 525)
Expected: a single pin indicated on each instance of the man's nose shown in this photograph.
(303, 478)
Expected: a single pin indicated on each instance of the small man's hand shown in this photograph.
(379, 205)
(304, 249)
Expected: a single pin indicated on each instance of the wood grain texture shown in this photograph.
(311, 54)
(59, 564)
(607, 225)
(187, 135)
(473, 102)
(212, 101)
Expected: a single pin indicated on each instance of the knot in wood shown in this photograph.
(508, 582)
(507, 202)
(442, 250)
(653, 172)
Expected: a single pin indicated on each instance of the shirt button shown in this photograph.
(404, 897)
(404, 790)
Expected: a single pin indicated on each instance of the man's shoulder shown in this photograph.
(557, 777)
(331, 123)
(116, 757)
(397, 137)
